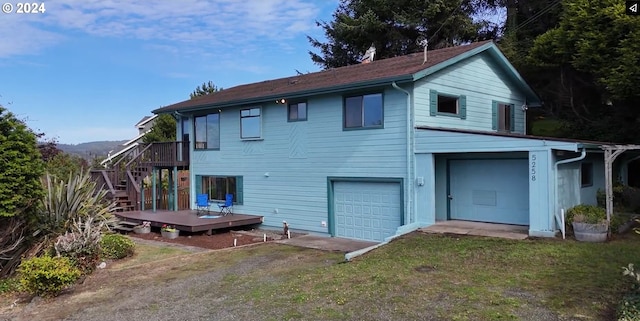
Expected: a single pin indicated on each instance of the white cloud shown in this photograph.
(220, 25)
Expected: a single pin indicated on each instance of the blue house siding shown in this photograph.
(568, 185)
(443, 146)
(481, 81)
(570, 189)
(588, 193)
(443, 141)
(541, 193)
(287, 170)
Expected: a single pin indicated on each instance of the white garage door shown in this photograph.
(367, 210)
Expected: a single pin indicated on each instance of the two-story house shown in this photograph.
(374, 150)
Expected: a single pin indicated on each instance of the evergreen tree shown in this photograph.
(397, 28)
(163, 130)
(204, 89)
(22, 167)
(594, 53)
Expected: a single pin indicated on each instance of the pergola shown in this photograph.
(611, 152)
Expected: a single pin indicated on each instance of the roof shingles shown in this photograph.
(397, 68)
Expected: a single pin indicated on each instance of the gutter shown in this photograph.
(555, 185)
(410, 180)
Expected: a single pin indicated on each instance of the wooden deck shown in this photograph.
(190, 221)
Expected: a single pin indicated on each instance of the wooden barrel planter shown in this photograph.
(142, 229)
(170, 234)
(587, 232)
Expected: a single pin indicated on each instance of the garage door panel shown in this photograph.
(367, 210)
(490, 190)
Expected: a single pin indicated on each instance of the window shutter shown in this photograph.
(462, 100)
(198, 185)
(239, 190)
(513, 117)
(494, 115)
(433, 105)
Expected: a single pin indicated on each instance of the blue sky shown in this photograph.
(89, 70)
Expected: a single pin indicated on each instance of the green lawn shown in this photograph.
(417, 277)
(456, 278)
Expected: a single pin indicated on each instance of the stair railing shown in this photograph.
(133, 166)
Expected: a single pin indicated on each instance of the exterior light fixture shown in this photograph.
(281, 101)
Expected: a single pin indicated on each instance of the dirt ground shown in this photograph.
(99, 286)
(219, 240)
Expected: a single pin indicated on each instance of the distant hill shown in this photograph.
(90, 150)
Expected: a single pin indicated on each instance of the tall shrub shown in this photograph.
(21, 169)
(20, 189)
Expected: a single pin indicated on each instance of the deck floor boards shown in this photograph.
(190, 221)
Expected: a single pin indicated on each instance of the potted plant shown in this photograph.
(143, 228)
(169, 231)
(589, 223)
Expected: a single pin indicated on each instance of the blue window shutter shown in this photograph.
(462, 101)
(433, 105)
(494, 115)
(513, 118)
(198, 185)
(239, 190)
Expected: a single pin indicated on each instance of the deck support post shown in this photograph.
(154, 189)
(175, 188)
(142, 195)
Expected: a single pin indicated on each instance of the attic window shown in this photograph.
(503, 117)
(447, 104)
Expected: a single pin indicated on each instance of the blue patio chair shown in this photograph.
(202, 203)
(227, 206)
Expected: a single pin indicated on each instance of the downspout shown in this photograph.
(410, 191)
(524, 115)
(555, 185)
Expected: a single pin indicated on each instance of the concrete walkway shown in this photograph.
(327, 243)
(514, 232)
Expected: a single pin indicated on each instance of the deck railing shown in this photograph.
(130, 168)
(165, 154)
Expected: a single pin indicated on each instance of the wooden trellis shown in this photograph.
(611, 152)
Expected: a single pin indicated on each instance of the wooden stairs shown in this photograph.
(124, 177)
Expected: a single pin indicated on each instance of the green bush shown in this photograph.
(8, 285)
(586, 214)
(46, 275)
(116, 246)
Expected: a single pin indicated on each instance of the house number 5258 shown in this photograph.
(533, 168)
